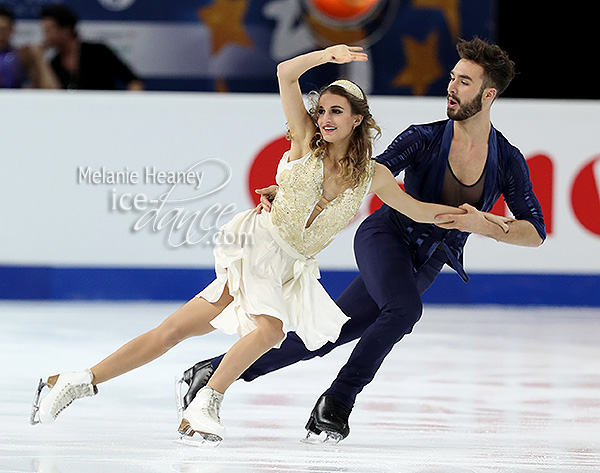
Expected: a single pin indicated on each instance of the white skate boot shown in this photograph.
(64, 389)
(202, 417)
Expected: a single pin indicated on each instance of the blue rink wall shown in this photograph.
(51, 283)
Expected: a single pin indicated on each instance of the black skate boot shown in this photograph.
(329, 416)
(196, 378)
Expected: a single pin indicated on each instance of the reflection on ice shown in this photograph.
(471, 390)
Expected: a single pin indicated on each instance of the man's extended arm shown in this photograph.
(521, 232)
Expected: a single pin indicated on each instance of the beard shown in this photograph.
(468, 109)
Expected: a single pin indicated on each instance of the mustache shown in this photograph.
(453, 97)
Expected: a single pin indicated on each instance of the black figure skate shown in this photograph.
(330, 417)
(196, 378)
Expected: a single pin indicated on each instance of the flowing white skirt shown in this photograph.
(267, 276)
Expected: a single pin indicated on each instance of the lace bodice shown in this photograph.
(300, 189)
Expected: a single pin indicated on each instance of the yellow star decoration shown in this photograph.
(225, 19)
(450, 9)
(422, 65)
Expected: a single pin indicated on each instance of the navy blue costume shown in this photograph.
(399, 259)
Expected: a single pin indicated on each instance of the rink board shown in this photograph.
(92, 210)
(168, 284)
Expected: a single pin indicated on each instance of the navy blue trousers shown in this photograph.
(383, 303)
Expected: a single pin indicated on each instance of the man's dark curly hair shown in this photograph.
(498, 69)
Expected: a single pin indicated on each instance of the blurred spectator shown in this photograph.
(24, 66)
(80, 64)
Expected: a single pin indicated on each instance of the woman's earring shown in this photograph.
(319, 139)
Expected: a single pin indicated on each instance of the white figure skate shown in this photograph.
(64, 389)
(202, 417)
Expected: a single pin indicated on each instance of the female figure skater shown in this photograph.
(267, 285)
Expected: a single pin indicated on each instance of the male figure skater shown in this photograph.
(463, 161)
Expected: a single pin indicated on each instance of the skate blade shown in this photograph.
(189, 436)
(324, 438)
(34, 417)
(179, 398)
(196, 441)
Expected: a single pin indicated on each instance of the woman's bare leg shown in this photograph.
(190, 320)
(246, 351)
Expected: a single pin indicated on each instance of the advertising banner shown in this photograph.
(106, 180)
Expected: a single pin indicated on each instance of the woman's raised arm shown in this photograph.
(299, 121)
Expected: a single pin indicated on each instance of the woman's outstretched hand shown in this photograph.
(501, 221)
(472, 221)
(342, 54)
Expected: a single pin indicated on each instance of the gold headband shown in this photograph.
(349, 87)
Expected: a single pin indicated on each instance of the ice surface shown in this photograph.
(471, 390)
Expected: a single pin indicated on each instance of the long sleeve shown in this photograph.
(518, 192)
(403, 150)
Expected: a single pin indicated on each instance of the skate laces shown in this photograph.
(205, 377)
(338, 410)
(189, 375)
(68, 394)
(213, 405)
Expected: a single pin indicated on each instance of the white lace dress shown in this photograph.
(268, 259)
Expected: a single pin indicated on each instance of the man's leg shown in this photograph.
(354, 302)
(333, 408)
(385, 264)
